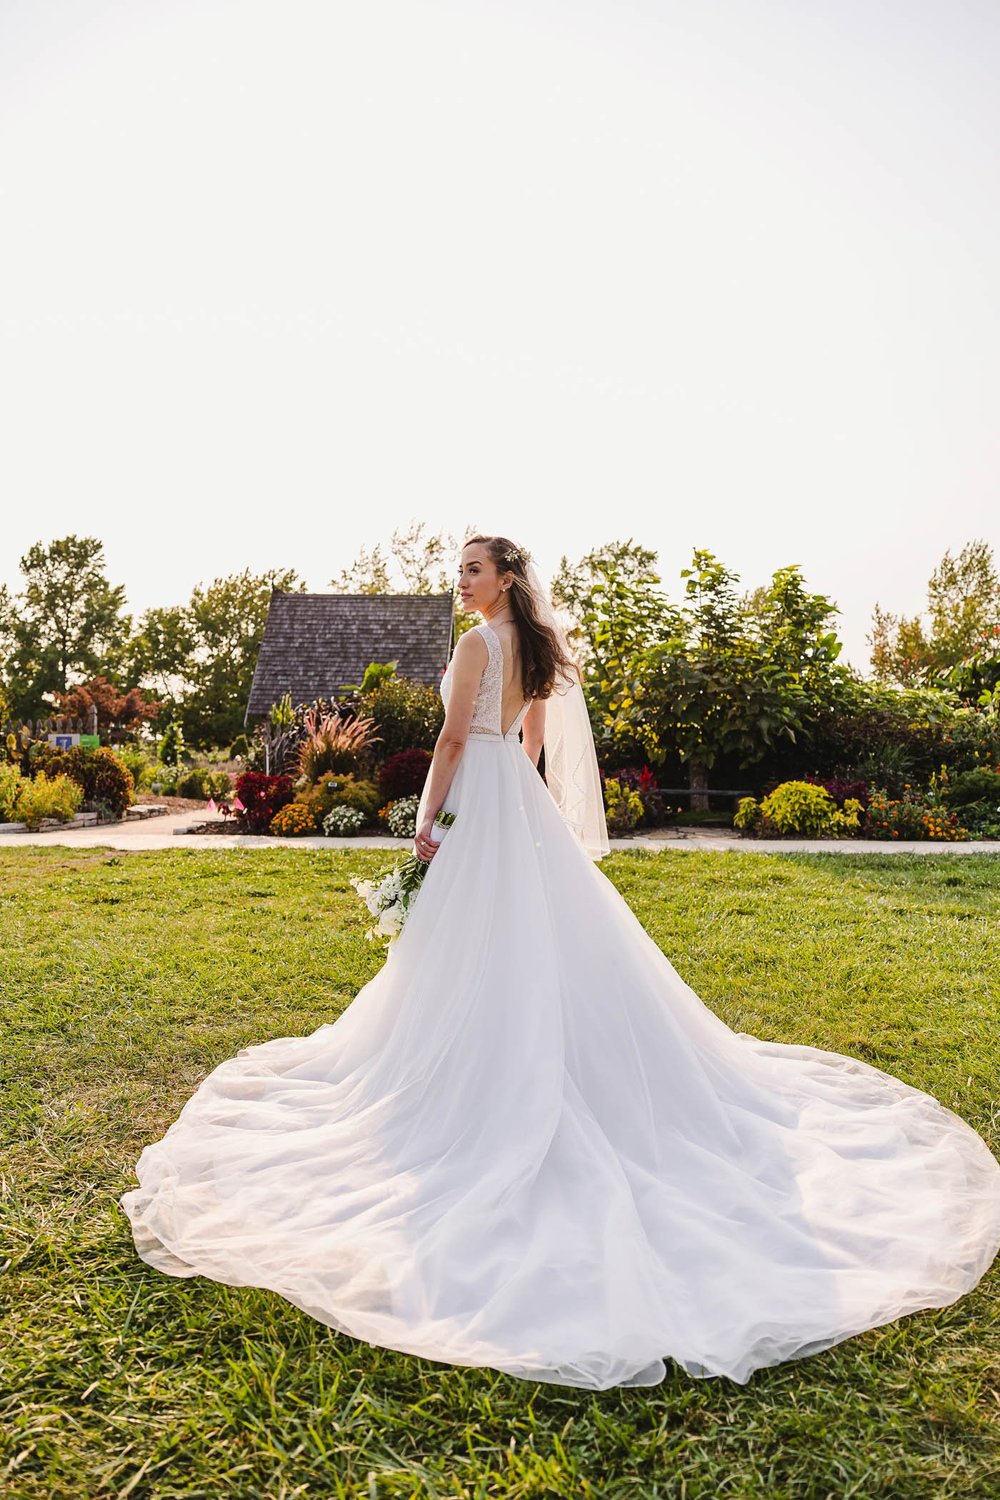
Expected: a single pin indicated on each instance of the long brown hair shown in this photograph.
(542, 655)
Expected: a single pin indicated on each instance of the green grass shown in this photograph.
(124, 978)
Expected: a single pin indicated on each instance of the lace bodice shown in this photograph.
(489, 699)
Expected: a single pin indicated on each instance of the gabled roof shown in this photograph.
(317, 644)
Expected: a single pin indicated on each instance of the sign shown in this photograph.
(64, 741)
(90, 739)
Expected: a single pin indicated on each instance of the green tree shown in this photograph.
(65, 621)
(612, 597)
(734, 675)
(963, 609)
(159, 652)
(226, 621)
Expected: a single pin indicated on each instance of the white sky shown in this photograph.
(278, 277)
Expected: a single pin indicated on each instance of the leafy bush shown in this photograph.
(400, 817)
(377, 672)
(911, 816)
(262, 796)
(840, 790)
(404, 773)
(623, 806)
(200, 781)
(41, 797)
(293, 820)
(347, 791)
(98, 770)
(798, 808)
(163, 782)
(889, 736)
(642, 780)
(407, 714)
(171, 746)
(240, 748)
(973, 786)
(138, 763)
(343, 820)
(10, 788)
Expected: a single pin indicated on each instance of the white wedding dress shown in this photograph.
(528, 1145)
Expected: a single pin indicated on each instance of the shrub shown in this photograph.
(171, 747)
(347, 791)
(642, 780)
(403, 774)
(240, 748)
(797, 808)
(408, 714)
(973, 786)
(840, 790)
(262, 796)
(377, 672)
(199, 781)
(138, 763)
(400, 817)
(165, 778)
(332, 742)
(343, 820)
(98, 770)
(623, 806)
(39, 797)
(10, 787)
(911, 816)
(293, 820)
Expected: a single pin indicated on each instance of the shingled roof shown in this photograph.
(317, 644)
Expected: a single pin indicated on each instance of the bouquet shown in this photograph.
(390, 896)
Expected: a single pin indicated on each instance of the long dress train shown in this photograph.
(527, 1144)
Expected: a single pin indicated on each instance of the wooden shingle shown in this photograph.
(315, 645)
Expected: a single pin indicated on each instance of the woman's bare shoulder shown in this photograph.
(471, 647)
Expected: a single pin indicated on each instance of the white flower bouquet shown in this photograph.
(390, 896)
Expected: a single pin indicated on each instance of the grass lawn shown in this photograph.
(126, 977)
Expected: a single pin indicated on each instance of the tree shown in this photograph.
(733, 676)
(611, 595)
(422, 565)
(963, 604)
(114, 709)
(159, 651)
(226, 622)
(67, 617)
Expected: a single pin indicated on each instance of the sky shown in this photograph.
(278, 278)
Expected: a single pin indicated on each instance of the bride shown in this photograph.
(527, 1144)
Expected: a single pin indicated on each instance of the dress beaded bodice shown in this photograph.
(486, 720)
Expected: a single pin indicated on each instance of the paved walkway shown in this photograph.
(167, 832)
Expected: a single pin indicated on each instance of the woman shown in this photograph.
(527, 1144)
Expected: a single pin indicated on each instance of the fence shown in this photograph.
(38, 729)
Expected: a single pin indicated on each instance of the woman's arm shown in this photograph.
(468, 663)
(533, 727)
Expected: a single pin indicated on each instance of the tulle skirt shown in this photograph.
(528, 1145)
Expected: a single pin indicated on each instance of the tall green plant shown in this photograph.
(734, 675)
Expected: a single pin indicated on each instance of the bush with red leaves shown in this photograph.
(840, 790)
(261, 796)
(404, 774)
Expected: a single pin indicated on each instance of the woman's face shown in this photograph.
(478, 580)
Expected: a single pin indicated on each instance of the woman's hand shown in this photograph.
(423, 845)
